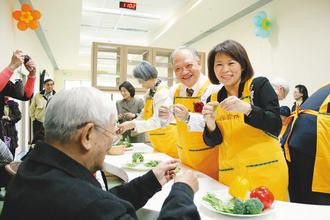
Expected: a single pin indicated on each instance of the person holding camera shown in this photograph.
(15, 90)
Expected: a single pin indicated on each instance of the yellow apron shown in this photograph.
(250, 152)
(192, 150)
(321, 177)
(163, 139)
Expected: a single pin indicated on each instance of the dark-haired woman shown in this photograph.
(243, 119)
(300, 94)
(128, 109)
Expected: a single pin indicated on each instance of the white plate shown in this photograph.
(225, 197)
(139, 167)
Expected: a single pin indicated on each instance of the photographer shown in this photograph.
(16, 90)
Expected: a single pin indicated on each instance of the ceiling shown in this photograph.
(71, 26)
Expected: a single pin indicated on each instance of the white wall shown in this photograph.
(11, 39)
(297, 50)
(61, 75)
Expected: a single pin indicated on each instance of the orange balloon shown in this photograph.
(16, 14)
(22, 26)
(26, 7)
(33, 25)
(36, 14)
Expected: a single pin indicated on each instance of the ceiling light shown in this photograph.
(120, 12)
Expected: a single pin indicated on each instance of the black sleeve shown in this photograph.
(212, 138)
(139, 190)
(179, 204)
(15, 114)
(11, 90)
(107, 209)
(265, 113)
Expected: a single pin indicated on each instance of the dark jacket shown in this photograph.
(51, 185)
(14, 90)
(9, 125)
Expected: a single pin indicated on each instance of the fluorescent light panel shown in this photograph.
(121, 12)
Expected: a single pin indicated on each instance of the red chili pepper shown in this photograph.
(198, 107)
(264, 195)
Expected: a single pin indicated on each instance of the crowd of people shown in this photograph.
(228, 124)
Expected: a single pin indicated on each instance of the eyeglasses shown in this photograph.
(115, 137)
(180, 69)
(106, 130)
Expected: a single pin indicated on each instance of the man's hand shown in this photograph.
(209, 112)
(234, 104)
(164, 112)
(16, 60)
(31, 67)
(181, 112)
(189, 178)
(165, 171)
(127, 125)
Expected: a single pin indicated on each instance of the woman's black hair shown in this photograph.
(237, 52)
(130, 88)
(303, 90)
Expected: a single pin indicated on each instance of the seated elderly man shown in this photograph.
(56, 180)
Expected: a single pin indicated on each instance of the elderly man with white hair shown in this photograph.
(281, 88)
(56, 181)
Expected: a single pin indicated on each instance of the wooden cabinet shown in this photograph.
(113, 64)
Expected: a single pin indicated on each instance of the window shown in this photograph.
(68, 84)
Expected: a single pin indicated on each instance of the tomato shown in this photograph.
(264, 195)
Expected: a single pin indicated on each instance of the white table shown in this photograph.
(282, 210)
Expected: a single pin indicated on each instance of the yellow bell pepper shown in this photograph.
(239, 188)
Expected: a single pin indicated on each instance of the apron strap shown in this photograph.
(203, 88)
(294, 115)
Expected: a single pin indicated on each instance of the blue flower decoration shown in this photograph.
(262, 24)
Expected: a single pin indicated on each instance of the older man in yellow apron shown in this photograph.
(193, 89)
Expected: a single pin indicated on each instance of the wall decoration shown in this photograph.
(27, 18)
(262, 24)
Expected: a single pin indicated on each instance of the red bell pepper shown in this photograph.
(264, 195)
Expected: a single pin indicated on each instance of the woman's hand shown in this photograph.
(209, 112)
(130, 115)
(165, 171)
(16, 60)
(164, 112)
(234, 104)
(31, 67)
(127, 125)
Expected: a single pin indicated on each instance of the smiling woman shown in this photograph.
(246, 122)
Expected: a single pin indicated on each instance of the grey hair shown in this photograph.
(191, 50)
(70, 109)
(283, 83)
(145, 71)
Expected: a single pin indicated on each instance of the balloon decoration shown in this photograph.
(27, 18)
(262, 24)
